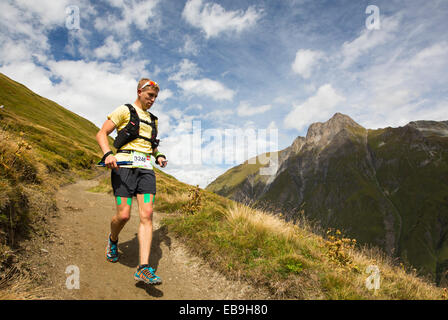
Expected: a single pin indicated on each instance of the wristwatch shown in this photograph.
(106, 155)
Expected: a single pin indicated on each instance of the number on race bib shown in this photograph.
(141, 160)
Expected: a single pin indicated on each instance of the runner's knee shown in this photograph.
(124, 213)
(146, 214)
(124, 217)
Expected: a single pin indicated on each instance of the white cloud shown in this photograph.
(244, 109)
(194, 107)
(164, 95)
(402, 89)
(213, 19)
(305, 61)
(141, 14)
(47, 11)
(135, 46)
(27, 73)
(186, 69)
(110, 48)
(190, 47)
(17, 23)
(369, 40)
(199, 87)
(208, 88)
(415, 75)
(217, 115)
(11, 51)
(319, 107)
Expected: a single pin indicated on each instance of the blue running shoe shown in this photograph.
(111, 251)
(147, 274)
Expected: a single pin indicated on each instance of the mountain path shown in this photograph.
(79, 236)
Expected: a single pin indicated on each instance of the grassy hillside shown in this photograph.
(239, 174)
(230, 181)
(43, 146)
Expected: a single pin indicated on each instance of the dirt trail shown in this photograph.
(80, 232)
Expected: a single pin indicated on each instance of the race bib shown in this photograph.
(141, 160)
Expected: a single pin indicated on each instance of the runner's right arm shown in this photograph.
(101, 138)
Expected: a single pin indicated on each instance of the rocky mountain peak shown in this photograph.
(325, 131)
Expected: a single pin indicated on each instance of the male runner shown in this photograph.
(137, 179)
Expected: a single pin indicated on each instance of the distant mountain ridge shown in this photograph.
(387, 187)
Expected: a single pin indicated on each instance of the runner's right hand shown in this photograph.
(111, 162)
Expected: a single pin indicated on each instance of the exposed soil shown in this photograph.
(79, 239)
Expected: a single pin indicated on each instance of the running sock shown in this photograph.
(142, 266)
(114, 242)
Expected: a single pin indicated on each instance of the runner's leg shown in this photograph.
(121, 217)
(145, 228)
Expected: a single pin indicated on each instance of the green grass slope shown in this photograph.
(43, 146)
(230, 180)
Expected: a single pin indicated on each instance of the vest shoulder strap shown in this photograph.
(136, 119)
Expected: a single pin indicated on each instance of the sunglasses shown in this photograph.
(150, 84)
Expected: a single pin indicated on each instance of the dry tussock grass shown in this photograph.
(16, 286)
(173, 198)
(264, 221)
(396, 281)
(345, 280)
(260, 221)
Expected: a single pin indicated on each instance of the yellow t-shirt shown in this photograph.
(120, 116)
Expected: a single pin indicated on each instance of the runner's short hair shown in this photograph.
(142, 81)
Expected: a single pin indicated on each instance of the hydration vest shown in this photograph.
(132, 130)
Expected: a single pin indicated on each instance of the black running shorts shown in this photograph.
(127, 182)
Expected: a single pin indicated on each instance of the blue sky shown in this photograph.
(227, 65)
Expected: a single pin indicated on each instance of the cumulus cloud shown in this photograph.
(305, 61)
(206, 87)
(17, 23)
(141, 14)
(185, 69)
(110, 48)
(164, 95)
(48, 12)
(319, 107)
(185, 78)
(244, 109)
(213, 19)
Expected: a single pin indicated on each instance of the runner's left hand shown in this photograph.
(162, 162)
